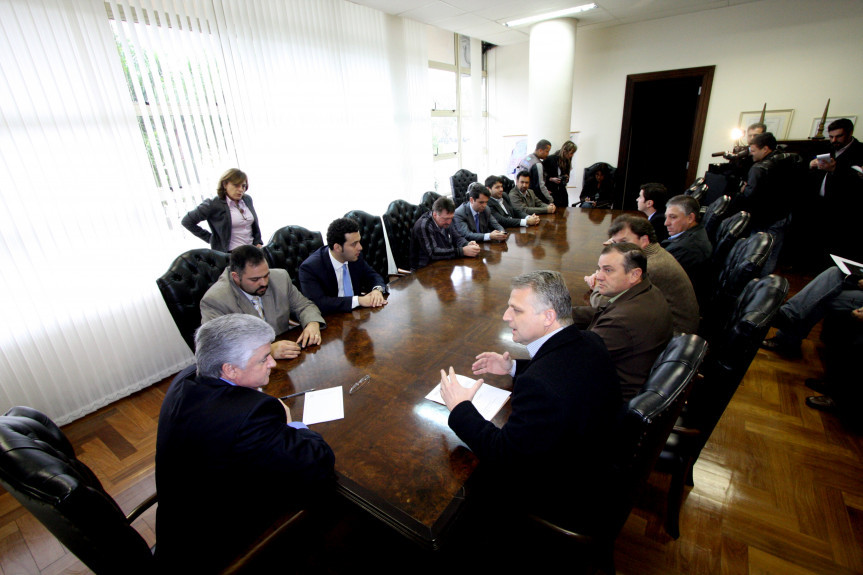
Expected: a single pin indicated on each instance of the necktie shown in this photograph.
(256, 301)
(476, 221)
(346, 282)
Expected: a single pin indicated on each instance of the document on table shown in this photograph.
(324, 405)
(488, 399)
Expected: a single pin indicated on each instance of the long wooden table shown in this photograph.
(396, 456)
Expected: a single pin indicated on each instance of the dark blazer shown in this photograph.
(318, 281)
(551, 453)
(635, 328)
(220, 452)
(658, 223)
(218, 216)
(511, 220)
(692, 249)
(467, 227)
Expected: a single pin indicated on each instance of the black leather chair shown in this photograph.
(399, 220)
(730, 230)
(39, 468)
(713, 215)
(185, 283)
(642, 431)
(697, 190)
(730, 355)
(611, 173)
(289, 247)
(743, 263)
(508, 184)
(429, 199)
(460, 182)
(372, 240)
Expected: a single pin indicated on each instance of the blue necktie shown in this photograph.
(476, 221)
(346, 282)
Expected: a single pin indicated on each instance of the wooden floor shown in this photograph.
(778, 489)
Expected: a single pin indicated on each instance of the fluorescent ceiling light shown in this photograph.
(551, 15)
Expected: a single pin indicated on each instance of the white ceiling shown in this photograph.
(484, 19)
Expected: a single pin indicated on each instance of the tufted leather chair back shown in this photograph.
(429, 200)
(460, 182)
(508, 184)
(39, 468)
(372, 240)
(184, 285)
(399, 220)
(730, 230)
(289, 247)
(714, 214)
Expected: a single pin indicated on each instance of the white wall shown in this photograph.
(793, 54)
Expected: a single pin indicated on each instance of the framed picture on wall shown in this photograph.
(777, 121)
(815, 121)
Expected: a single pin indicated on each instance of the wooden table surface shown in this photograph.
(396, 456)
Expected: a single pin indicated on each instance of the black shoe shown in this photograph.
(817, 385)
(821, 403)
(777, 345)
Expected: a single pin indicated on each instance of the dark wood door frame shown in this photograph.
(706, 74)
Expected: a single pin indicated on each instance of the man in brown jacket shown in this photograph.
(635, 324)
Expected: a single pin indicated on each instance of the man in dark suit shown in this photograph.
(688, 242)
(651, 202)
(636, 323)
(473, 221)
(336, 277)
(220, 441)
(502, 209)
(551, 455)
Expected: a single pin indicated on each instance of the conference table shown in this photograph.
(396, 457)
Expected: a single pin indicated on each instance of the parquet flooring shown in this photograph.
(778, 489)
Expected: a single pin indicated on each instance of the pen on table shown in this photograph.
(364, 380)
(296, 394)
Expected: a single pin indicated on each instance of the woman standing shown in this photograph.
(557, 168)
(230, 215)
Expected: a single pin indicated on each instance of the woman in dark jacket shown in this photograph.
(598, 188)
(557, 168)
(230, 215)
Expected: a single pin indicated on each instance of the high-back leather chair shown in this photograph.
(399, 220)
(429, 199)
(289, 247)
(697, 190)
(39, 468)
(460, 182)
(731, 353)
(713, 215)
(372, 240)
(730, 230)
(508, 184)
(184, 285)
(642, 431)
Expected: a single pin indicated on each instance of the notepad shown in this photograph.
(324, 405)
(488, 399)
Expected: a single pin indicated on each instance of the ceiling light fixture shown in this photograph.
(550, 15)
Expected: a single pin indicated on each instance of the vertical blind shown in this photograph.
(117, 117)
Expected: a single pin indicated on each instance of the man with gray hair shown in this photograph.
(564, 402)
(219, 441)
(687, 241)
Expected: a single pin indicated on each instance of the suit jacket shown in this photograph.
(319, 283)
(218, 216)
(507, 220)
(658, 223)
(281, 300)
(217, 446)
(466, 226)
(692, 249)
(635, 328)
(527, 202)
(551, 454)
(666, 273)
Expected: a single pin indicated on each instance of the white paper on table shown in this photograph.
(324, 405)
(488, 399)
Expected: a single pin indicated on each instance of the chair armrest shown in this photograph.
(141, 508)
